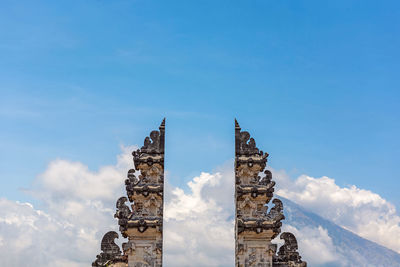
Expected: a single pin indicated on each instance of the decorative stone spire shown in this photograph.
(255, 227)
(142, 222)
(143, 225)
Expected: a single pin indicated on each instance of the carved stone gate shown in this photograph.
(142, 223)
(255, 226)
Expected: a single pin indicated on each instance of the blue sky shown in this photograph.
(315, 82)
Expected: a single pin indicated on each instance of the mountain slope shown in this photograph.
(349, 248)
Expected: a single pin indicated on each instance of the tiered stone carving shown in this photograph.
(143, 225)
(255, 227)
(142, 222)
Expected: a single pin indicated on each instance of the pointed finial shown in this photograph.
(237, 125)
(162, 136)
(162, 125)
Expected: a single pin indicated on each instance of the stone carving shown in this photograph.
(123, 214)
(123, 211)
(132, 179)
(276, 212)
(288, 251)
(111, 252)
(142, 224)
(267, 179)
(244, 144)
(255, 228)
(149, 160)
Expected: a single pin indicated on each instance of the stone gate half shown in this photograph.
(255, 226)
(142, 223)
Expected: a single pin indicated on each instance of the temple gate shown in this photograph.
(255, 224)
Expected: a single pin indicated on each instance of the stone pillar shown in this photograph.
(143, 223)
(255, 226)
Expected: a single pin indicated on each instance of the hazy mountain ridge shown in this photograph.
(351, 249)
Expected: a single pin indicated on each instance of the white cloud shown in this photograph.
(313, 239)
(32, 235)
(79, 205)
(199, 224)
(360, 211)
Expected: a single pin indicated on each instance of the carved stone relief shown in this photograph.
(255, 227)
(111, 253)
(140, 214)
(141, 221)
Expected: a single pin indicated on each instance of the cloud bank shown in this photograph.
(78, 208)
(199, 226)
(360, 211)
(79, 205)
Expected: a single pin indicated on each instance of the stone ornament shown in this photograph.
(142, 221)
(255, 227)
(140, 213)
(111, 253)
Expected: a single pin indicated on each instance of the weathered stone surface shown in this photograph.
(111, 255)
(143, 225)
(255, 227)
(288, 252)
(142, 222)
